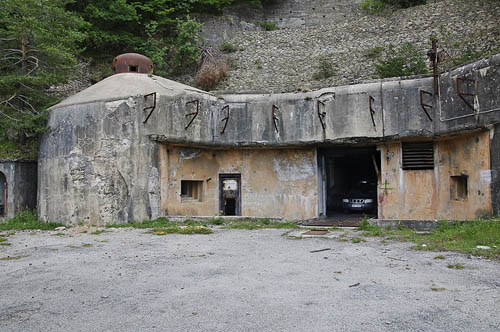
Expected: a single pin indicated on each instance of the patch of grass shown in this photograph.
(259, 224)
(463, 237)
(325, 68)
(83, 245)
(374, 52)
(5, 244)
(267, 26)
(188, 230)
(2, 239)
(11, 258)
(439, 257)
(99, 231)
(456, 266)
(27, 220)
(379, 6)
(438, 289)
(59, 234)
(406, 60)
(356, 240)
(229, 48)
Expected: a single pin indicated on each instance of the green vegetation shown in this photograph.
(189, 226)
(460, 237)
(325, 68)
(229, 48)
(11, 258)
(27, 220)
(39, 44)
(83, 245)
(356, 240)
(378, 6)
(267, 26)
(406, 60)
(259, 224)
(188, 230)
(456, 266)
(99, 231)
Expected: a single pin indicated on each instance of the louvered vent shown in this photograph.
(418, 155)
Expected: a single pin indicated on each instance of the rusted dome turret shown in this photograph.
(132, 63)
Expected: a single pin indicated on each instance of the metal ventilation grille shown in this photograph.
(419, 155)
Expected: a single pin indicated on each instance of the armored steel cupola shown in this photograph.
(132, 63)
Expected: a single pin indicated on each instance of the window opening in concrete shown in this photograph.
(348, 183)
(191, 190)
(132, 68)
(230, 194)
(3, 195)
(458, 187)
(418, 155)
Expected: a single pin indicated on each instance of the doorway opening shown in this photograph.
(3, 195)
(230, 194)
(350, 177)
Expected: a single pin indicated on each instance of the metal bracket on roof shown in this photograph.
(275, 118)
(422, 104)
(225, 119)
(372, 111)
(321, 115)
(152, 108)
(193, 114)
(462, 94)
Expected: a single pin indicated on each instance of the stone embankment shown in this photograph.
(288, 59)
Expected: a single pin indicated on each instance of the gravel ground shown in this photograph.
(237, 280)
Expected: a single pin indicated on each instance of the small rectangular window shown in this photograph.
(418, 155)
(132, 68)
(458, 187)
(191, 190)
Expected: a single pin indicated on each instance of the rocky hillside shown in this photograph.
(290, 58)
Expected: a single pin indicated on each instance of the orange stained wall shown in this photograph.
(427, 194)
(275, 183)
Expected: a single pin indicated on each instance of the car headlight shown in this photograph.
(368, 200)
(345, 200)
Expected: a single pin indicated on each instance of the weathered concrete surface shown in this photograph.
(21, 177)
(397, 112)
(99, 161)
(236, 280)
(426, 194)
(495, 168)
(274, 183)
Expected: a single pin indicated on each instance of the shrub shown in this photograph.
(325, 68)
(228, 48)
(405, 61)
(267, 26)
(212, 70)
(377, 6)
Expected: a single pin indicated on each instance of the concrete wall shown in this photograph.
(427, 194)
(21, 185)
(397, 112)
(495, 168)
(96, 166)
(274, 183)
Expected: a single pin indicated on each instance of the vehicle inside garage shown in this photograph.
(350, 179)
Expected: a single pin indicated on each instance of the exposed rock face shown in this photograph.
(338, 31)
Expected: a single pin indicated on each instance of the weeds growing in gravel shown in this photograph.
(456, 266)
(27, 220)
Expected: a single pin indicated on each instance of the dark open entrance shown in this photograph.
(3, 195)
(230, 194)
(350, 180)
